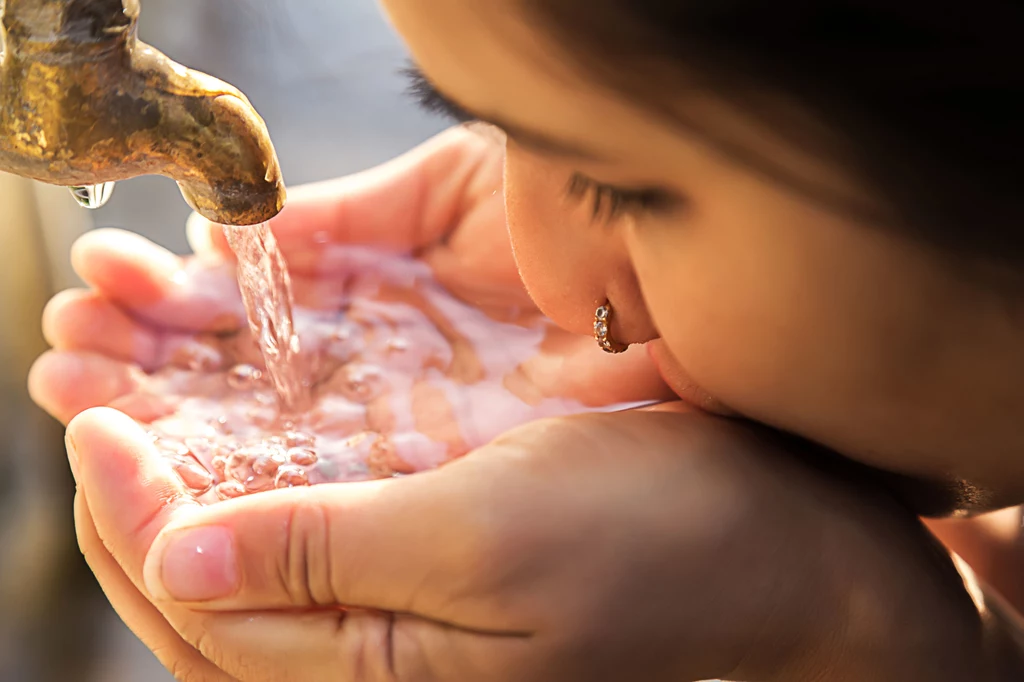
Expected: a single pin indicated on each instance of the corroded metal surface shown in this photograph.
(82, 102)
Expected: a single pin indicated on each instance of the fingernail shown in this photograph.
(199, 564)
(69, 444)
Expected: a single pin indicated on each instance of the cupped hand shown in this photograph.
(147, 308)
(654, 545)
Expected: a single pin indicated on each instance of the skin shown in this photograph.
(705, 574)
(875, 361)
(756, 299)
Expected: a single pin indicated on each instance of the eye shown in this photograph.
(430, 99)
(611, 202)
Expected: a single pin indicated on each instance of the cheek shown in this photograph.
(736, 312)
(789, 320)
(560, 264)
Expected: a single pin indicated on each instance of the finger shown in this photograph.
(132, 490)
(144, 407)
(402, 205)
(285, 547)
(367, 646)
(138, 613)
(68, 383)
(84, 320)
(153, 284)
(370, 545)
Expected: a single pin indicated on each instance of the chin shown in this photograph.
(677, 379)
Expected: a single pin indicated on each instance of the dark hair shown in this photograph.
(925, 99)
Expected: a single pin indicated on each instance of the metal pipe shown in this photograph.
(83, 102)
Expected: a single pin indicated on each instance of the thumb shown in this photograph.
(410, 545)
(416, 562)
(403, 205)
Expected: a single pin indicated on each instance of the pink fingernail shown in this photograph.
(200, 564)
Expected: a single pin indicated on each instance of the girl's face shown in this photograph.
(753, 298)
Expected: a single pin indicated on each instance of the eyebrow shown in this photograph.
(433, 100)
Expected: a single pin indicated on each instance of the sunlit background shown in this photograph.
(324, 75)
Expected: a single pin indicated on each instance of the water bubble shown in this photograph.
(299, 439)
(237, 465)
(291, 477)
(229, 489)
(265, 466)
(193, 474)
(303, 457)
(242, 377)
(259, 483)
(92, 196)
(266, 458)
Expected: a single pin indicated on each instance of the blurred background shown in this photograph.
(324, 75)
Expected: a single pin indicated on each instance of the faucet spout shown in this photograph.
(83, 101)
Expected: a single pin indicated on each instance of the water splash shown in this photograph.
(93, 196)
(267, 293)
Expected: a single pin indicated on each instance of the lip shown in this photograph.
(682, 384)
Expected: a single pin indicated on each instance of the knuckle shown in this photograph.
(305, 566)
(366, 647)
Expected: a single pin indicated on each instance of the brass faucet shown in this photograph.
(83, 102)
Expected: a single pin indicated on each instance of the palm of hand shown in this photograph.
(390, 351)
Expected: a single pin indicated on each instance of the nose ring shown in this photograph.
(603, 330)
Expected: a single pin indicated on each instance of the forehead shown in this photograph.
(489, 58)
(452, 36)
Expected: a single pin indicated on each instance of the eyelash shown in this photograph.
(430, 100)
(607, 200)
(611, 202)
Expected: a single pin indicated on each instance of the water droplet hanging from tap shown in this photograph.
(93, 196)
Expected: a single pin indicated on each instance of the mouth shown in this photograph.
(677, 379)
